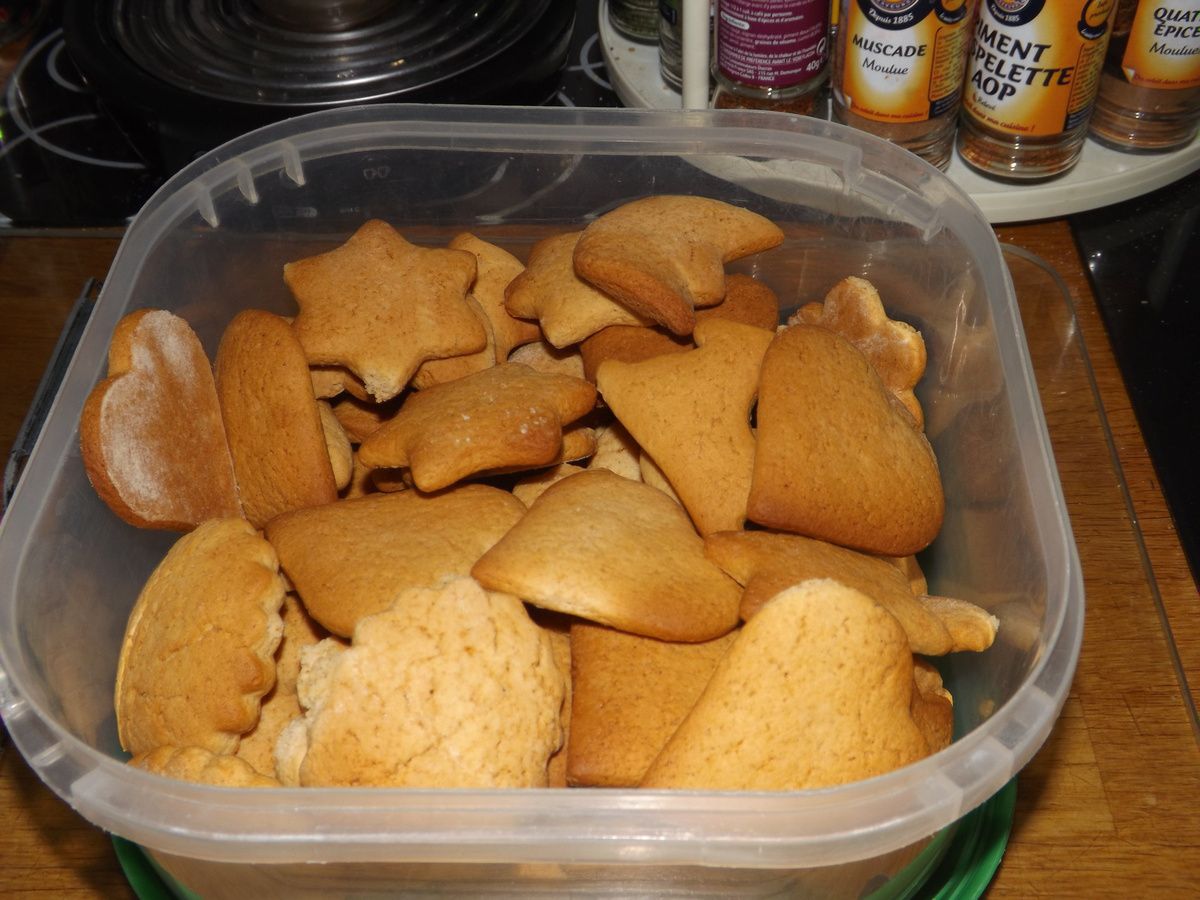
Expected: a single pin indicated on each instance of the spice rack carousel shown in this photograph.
(1102, 176)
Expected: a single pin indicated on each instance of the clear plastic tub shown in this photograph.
(213, 241)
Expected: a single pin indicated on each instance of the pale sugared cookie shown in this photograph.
(691, 413)
(508, 417)
(837, 457)
(616, 451)
(381, 306)
(199, 648)
(567, 308)
(449, 687)
(351, 559)
(664, 256)
(617, 552)
(854, 310)
(271, 418)
(496, 270)
(629, 695)
(202, 766)
(815, 692)
(766, 563)
(970, 627)
(151, 433)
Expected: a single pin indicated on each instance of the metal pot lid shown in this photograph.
(243, 51)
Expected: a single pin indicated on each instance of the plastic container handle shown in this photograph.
(694, 50)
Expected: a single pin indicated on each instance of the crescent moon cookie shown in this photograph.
(617, 552)
(199, 648)
(271, 416)
(815, 691)
(508, 417)
(151, 433)
(381, 306)
(664, 256)
(837, 456)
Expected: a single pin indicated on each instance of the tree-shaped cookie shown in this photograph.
(691, 412)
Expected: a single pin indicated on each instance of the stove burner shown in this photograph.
(257, 54)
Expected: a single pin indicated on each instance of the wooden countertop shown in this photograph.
(1107, 808)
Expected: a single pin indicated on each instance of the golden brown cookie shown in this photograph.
(854, 310)
(199, 648)
(436, 371)
(507, 417)
(567, 308)
(351, 559)
(199, 765)
(360, 418)
(747, 300)
(932, 706)
(449, 687)
(629, 695)
(970, 627)
(766, 563)
(496, 268)
(616, 451)
(271, 418)
(332, 381)
(837, 457)
(691, 413)
(814, 692)
(380, 306)
(151, 434)
(337, 445)
(542, 357)
(531, 487)
(617, 552)
(664, 256)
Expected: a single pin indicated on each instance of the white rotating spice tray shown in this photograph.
(1102, 176)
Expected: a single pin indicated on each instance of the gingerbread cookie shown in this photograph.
(495, 270)
(837, 457)
(272, 420)
(617, 552)
(201, 766)
(351, 559)
(815, 692)
(381, 306)
(664, 256)
(199, 648)
(691, 413)
(151, 433)
(507, 417)
(567, 308)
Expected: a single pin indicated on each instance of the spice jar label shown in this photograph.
(771, 44)
(1164, 46)
(903, 61)
(1035, 67)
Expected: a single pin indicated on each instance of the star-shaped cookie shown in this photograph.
(380, 306)
(507, 417)
(567, 308)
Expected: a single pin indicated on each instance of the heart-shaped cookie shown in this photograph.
(151, 433)
(837, 456)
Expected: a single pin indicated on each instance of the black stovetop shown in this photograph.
(1143, 258)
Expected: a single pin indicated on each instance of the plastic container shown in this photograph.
(212, 241)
